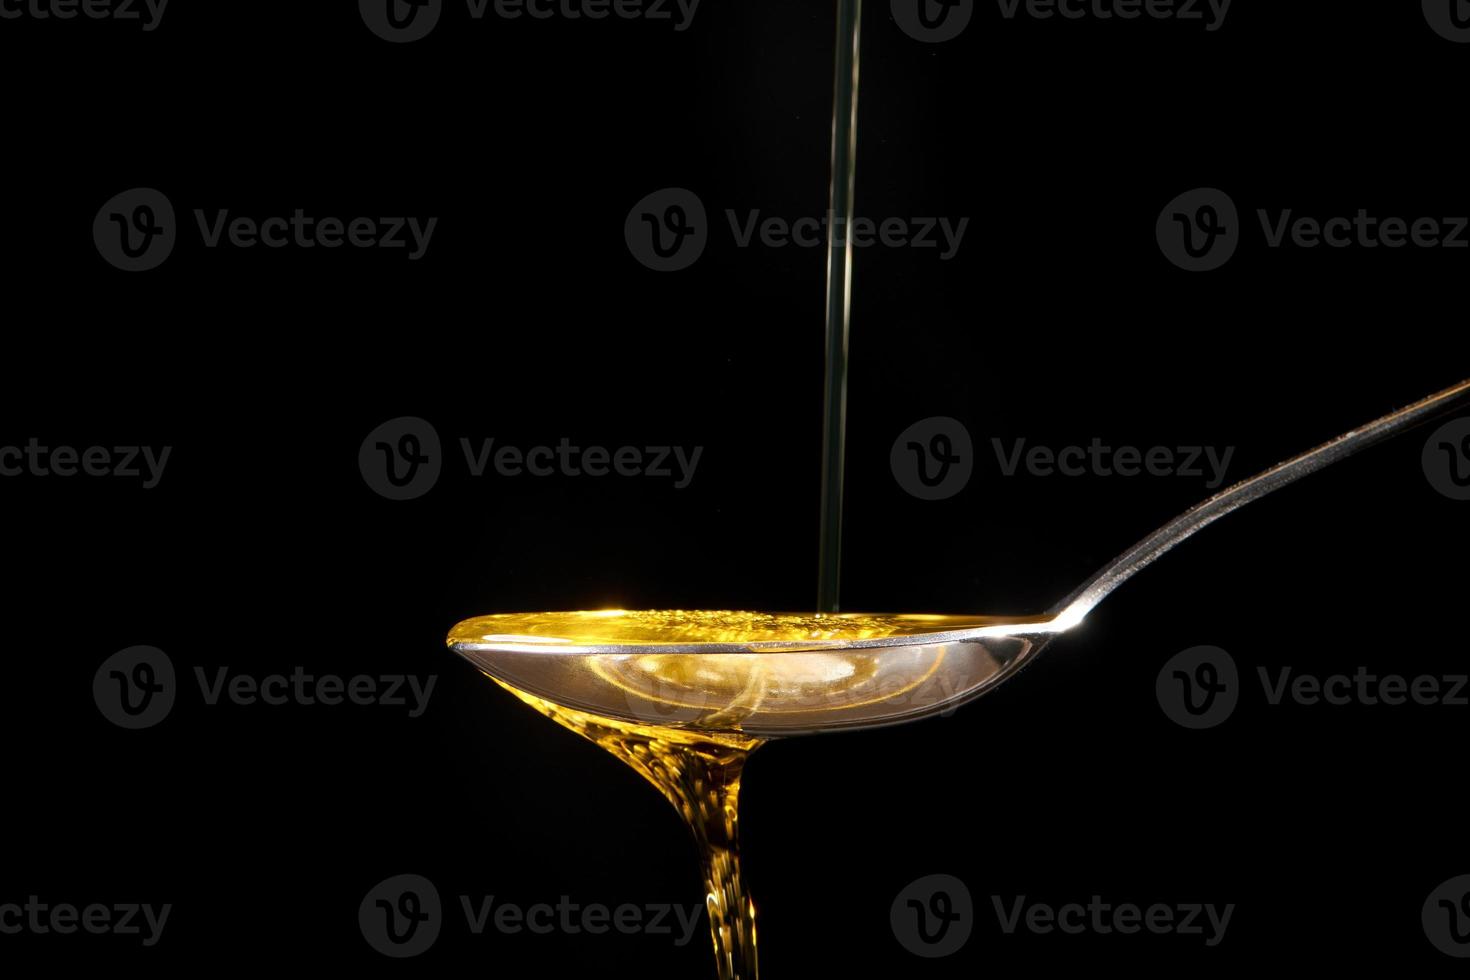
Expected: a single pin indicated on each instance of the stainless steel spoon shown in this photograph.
(769, 675)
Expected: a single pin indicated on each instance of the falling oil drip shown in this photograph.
(698, 772)
(839, 298)
(649, 689)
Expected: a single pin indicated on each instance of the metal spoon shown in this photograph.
(770, 675)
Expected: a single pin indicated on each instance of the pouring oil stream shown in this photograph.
(839, 297)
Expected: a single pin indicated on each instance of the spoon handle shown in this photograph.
(1072, 609)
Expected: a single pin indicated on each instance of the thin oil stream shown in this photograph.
(839, 297)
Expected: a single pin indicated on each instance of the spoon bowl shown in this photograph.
(761, 674)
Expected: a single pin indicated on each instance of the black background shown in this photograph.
(262, 548)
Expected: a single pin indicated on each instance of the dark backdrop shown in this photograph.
(263, 549)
